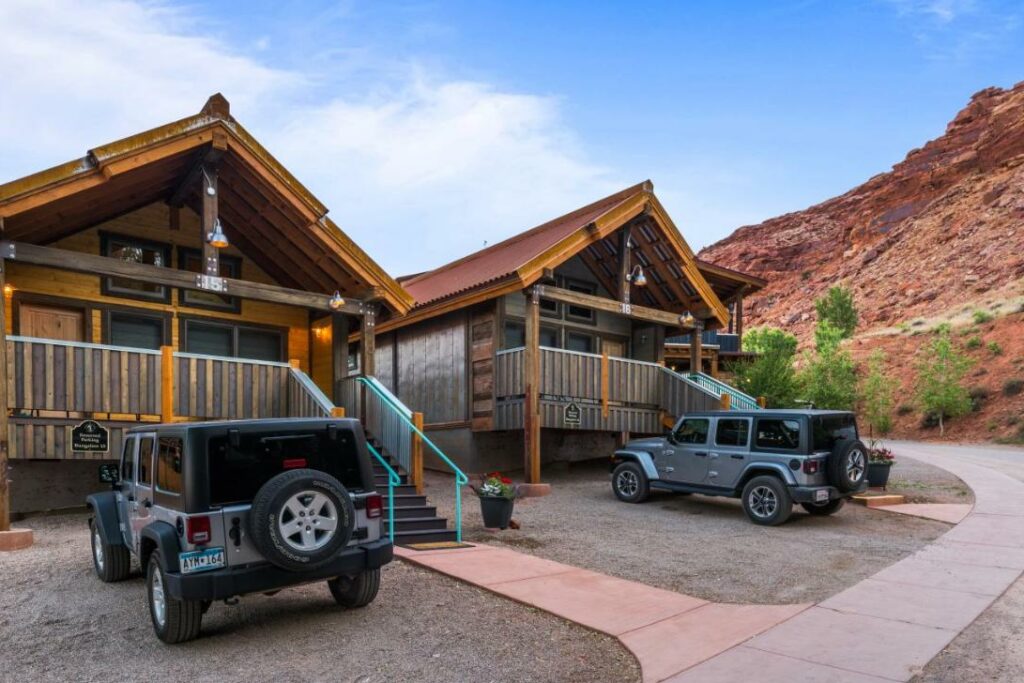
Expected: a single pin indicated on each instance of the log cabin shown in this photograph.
(552, 344)
(181, 273)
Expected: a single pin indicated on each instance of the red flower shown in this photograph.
(506, 480)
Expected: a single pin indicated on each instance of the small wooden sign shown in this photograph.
(572, 414)
(90, 436)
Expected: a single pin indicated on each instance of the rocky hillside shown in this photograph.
(935, 239)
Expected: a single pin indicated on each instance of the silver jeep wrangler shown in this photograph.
(769, 459)
(215, 510)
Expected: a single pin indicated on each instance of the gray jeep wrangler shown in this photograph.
(216, 510)
(769, 459)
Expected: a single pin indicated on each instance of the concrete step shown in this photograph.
(877, 500)
(435, 536)
(413, 511)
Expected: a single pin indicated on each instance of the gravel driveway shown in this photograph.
(59, 623)
(705, 546)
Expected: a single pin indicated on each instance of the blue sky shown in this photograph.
(430, 128)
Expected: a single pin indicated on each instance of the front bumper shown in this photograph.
(809, 494)
(228, 582)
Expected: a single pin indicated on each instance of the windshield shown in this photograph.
(830, 430)
(237, 473)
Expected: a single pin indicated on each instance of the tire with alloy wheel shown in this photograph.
(766, 501)
(112, 562)
(174, 621)
(629, 482)
(356, 591)
(301, 518)
(848, 466)
(824, 509)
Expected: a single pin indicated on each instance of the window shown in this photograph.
(233, 341)
(146, 461)
(238, 472)
(780, 434)
(230, 266)
(692, 431)
(576, 341)
(128, 460)
(168, 464)
(830, 429)
(732, 432)
(549, 337)
(135, 251)
(550, 308)
(515, 335)
(580, 312)
(139, 331)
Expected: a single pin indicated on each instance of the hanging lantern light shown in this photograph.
(637, 277)
(217, 238)
(686, 318)
(336, 301)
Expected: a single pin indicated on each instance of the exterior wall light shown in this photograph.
(336, 301)
(217, 238)
(686, 318)
(637, 277)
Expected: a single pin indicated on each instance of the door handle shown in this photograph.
(702, 454)
(670, 452)
(714, 456)
(736, 457)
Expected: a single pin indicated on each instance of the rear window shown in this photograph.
(238, 472)
(829, 430)
(778, 434)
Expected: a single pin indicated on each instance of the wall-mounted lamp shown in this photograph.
(8, 290)
(636, 276)
(336, 301)
(686, 318)
(217, 238)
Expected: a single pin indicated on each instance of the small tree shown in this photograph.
(876, 394)
(940, 370)
(838, 309)
(829, 378)
(770, 373)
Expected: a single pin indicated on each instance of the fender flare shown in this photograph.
(643, 458)
(165, 538)
(104, 510)
(756, 468)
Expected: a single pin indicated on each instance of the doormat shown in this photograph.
(439, 545)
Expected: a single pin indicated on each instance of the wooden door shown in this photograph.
(614, 348)
(51, 322)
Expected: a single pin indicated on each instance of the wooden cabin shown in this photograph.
(178, 274)
(552, 342)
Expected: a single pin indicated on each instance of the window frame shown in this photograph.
(720, 420)
(233, 304)
(108, 323)
(107, 288)
(581, 287)
(142, 439)
(801, 435)
(235, 326)
(158, 459)
(594, 345)
(707, 434)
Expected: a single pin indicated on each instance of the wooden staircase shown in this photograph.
(416, 521)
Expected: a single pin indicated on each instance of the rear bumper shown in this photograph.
(809, 494)
(225, 583)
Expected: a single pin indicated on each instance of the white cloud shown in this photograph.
(418, 170)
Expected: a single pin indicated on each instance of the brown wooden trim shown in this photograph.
(106, 289)
(611, 306)
(443, 426)
(19, 297)
(531, 382)
(171, 277)
(234, 304)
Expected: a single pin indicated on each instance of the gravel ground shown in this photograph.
(705, 546)
(59, 623)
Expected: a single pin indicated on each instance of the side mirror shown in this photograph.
(109, 473)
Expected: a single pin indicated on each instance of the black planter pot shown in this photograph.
(878, 474)
(497, 511)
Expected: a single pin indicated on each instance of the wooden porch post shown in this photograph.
(695, 346)
(368, 345)
(339, 355)
(738, 315)
(624, 265)
(531, 382)
(166, 384)
(5, 504)
(417, 453)
(211, 260)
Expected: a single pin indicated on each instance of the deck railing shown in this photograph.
(737, 399)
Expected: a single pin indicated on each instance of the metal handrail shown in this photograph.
(460, 477)
(739, 400)
(393, 481)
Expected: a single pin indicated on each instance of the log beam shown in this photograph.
(531, 382)
(339, 355)
(211, 256)
(651, 315)
(696, 363)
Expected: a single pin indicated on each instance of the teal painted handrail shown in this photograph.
(460, 477)
(739, 400)
(393, 481)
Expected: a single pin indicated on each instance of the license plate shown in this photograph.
(821, 496)
(201, 560)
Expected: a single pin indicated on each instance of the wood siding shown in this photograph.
(482, 345)
(432, 367)
(42, 438)
(214, 388)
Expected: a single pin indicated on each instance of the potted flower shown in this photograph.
(880, 462)
(497, 496)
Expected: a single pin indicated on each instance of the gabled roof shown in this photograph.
(519, 261)
(265, 210)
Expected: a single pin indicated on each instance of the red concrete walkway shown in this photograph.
(667, 632)
(885, 628)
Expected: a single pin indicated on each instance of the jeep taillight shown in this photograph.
(812, 466)
(374, 506)
(197, 530)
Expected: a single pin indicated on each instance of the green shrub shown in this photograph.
(994, 348)
(978, 396)
(941, 368)
(876, 393)
(770, 373)
(1012, 387)
(837, 309)
(973, 343)
(981, 317)
(829, 377)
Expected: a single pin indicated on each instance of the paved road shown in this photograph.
(991, 648)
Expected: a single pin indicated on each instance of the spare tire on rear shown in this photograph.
(848, 466)
(300, 519)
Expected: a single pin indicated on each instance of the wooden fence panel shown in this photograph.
(228, 388)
